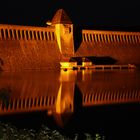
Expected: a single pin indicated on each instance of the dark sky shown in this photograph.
(93, 13)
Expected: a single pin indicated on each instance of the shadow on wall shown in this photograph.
(1, 64)
(97, 60)
(105, 60)
(77, 37)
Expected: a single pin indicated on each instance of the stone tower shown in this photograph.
(64, 33)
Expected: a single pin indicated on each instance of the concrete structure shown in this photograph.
(36, 48)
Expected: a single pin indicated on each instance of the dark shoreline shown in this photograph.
(109, 122)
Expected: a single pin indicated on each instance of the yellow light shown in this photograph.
(64, 64)
(48, 23)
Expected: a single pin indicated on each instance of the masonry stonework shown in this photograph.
(40, 48)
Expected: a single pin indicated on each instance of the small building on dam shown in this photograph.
(43, 48)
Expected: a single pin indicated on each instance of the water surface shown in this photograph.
(105, 102)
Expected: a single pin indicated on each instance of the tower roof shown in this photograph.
(61, 17)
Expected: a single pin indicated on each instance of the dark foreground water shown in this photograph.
(66, 115)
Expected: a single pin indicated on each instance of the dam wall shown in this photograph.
(28, 48)
(43, 48)
(124, 47)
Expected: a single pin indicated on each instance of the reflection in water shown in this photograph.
(62, 93)
(5, 97)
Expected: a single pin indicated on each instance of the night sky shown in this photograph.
(104, 14)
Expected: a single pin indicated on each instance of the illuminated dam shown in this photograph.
(40, 48)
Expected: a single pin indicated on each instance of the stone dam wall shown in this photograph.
(37, 48)
(28, 48)
(123, 47)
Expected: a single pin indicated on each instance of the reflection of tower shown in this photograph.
(64, 33)
(64, 103)
(65, 97)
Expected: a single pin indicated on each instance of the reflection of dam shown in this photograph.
(52, 102)
(109, 88)
(32, 92)
(102, 97)
(55, 91)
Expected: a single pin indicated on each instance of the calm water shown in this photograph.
(104, 102)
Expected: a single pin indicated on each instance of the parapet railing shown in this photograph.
(111, 36)
(16, 32)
